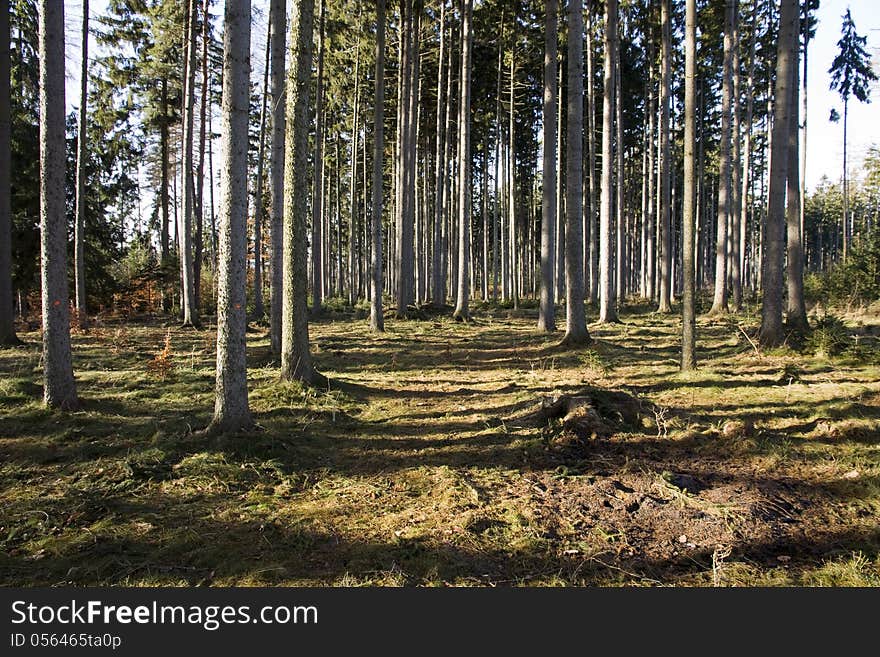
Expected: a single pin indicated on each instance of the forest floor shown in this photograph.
(420, 464)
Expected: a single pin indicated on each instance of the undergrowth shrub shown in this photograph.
(829, 337)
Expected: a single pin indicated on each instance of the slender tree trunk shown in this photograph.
(438, 293)
(736, 174)
(513, 268)
(846, 222)
(231, 412)
(82, 141)
(164, 237)
(59, 388)
(607, 301)
(353, 193)
(620, 219)
(547, 312)
(688, 305)
(796, 309)
(296, 359)
(7, 325)
(576, 322)
(278, 18)
(187, 293)
(651, 216)
(318, 236)
(200, 169)
(747, 149)
(771, 309)
(462, 311)
(377, 321)
(259, 309)
(591, 150)
(665, 304)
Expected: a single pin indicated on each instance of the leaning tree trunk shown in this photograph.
(296, 360)
(576, 321)
(278, 18)
(688, 304)
(774, 236)
(607, 302)
(796, 310)
(7, 326)
(547, 312)
(462, 311)
(665, 241)
(377, 322)
(80, 220)
(231, 412)
(187, 293)
(59, 388)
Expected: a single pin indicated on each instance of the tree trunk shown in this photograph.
(688, 304)
(747, 148)
(796, 310)
(619, 285)
(187, 293)
(547, 312)
(7, 325)
(82, 140)
(353, 193)
(200, 170)
(845, 184)
(296, 359)
(377, 322)
(164, 237)
(438, 293)
(733, 260)
(278, 18)
(771, 309)
(462, 310)
(318, 236)
(576, 322)
(607, 302)
(259, 310)
(59, 388)
(665, 241)
(231, 411)
(591, 150)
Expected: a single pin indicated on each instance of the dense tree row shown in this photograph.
(424, 152)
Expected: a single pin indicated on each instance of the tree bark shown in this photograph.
(231, 412)
(607, 302)
(377, 322)
(733, 260)
(576, 322)
(7, 325)
(688, 306)
(278, 18)
(318, 236)
(82, 140)
(796, 309)
(296, 359)
(772, 249)
(462, 310)
(259, 310)
(59, 388)
(665, 240)
(547, 311)
(187, 293)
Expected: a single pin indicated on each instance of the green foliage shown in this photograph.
(829, 337)
(855, 281)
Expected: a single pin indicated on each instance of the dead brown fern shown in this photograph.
(162, 365)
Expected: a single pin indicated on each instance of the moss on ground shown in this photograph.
(758, 469)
